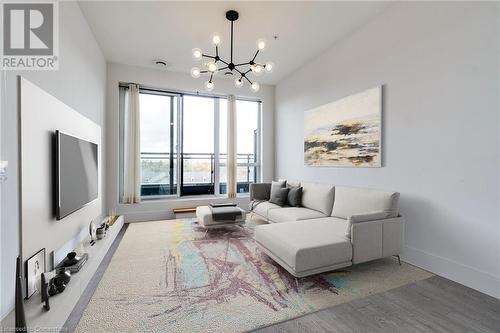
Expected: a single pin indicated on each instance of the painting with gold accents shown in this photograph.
(346, 132)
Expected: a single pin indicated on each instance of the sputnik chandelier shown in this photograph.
(217, 64)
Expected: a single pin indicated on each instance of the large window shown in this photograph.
(158, 144)
(184, 143)
(198, 147)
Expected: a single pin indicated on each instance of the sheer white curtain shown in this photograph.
(231, 147)
(132, 154)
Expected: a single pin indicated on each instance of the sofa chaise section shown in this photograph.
(305, 253)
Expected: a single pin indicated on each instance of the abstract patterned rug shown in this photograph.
(173, 276)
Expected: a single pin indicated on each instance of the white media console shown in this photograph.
(62, 304)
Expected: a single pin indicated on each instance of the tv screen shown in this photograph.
(76, 179)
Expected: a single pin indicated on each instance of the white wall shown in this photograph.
(41, 115)
(439, 63)
(79, 83)
(162, 209)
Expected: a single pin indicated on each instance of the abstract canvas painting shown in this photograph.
(345, 133)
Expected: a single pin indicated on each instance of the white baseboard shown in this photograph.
(468, 276)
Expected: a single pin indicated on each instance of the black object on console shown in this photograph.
(72, 262)
(19, 307)
(45, 293)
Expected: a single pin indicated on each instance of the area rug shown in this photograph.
(173, 276)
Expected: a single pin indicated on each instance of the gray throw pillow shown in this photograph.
(280, 197)
(275, 187)
(294, 198)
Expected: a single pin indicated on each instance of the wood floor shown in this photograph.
(432, 305)
(435, 304)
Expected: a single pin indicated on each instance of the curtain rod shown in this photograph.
(187, 93)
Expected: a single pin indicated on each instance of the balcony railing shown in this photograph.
(159, 173)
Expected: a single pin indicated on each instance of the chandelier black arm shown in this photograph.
(255, 56)
(242, 64)
(208, 56)
(244, 75)
(248, 80)
(216, 50)
(223, 68)
(224, 62)
(211, 77)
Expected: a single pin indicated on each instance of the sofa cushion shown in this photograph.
(354, 201)
(294, 198)
(304, 245)
(292, 214)
(339, 226)
(293, 183)
(280, 196)
(318, 197)
(262, 208)
(275, 188)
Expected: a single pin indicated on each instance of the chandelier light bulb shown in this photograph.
(209, 85)
(258, 70)
(255, 87)
(269, 66)
(238, 83)
(212, 66)
(261, 44)
(195, 72)
(197, 54)
(216, 39)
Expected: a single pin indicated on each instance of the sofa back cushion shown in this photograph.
(293, 183)
(294, 196)
(280, 197)
(352, 201)
(318, 197)
(275, 188)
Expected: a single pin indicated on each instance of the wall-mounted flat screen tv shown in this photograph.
(76, 173)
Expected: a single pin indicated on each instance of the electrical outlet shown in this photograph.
(3, 170)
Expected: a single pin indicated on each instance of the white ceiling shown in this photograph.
(135, 33)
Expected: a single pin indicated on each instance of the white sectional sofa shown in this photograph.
(335, 227)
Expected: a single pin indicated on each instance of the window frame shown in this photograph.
(179, 145)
